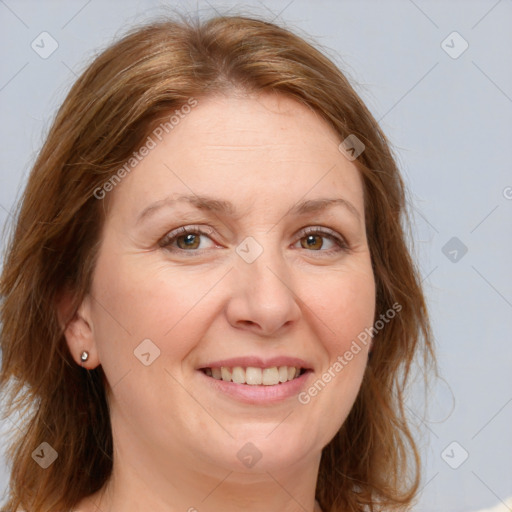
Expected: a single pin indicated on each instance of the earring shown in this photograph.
(84, 356)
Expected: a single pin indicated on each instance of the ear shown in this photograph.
(76, 324)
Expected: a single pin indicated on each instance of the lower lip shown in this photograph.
(259, 394)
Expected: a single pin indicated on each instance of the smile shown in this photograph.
(255, 376)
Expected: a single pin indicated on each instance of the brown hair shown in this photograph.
(372, 462)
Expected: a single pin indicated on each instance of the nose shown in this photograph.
(263, 299)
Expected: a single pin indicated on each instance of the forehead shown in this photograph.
(247, 149)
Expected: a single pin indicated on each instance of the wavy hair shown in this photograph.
(373, 462)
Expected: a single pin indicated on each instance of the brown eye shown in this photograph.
(189, 241)
(322, 240)
(312, 242)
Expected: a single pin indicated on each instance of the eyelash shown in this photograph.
(171, 237)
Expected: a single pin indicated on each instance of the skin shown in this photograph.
(176, 439)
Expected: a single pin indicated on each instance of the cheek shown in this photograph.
(354, 317)
(137, 302)
(344, 305)
(355, 306)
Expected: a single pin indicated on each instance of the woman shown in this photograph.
(209, 303)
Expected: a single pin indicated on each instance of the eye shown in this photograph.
(195, 239)
(322, 240)
(187, 238)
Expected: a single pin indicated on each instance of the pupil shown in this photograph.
(188, 241)
(314, 241)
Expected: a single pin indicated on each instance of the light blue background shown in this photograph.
(450, 121)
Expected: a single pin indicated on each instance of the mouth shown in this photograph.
(255, 380)
(255, 376)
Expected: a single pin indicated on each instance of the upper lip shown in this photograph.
(258, 362)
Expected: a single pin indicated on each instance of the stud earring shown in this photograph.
(84, 356)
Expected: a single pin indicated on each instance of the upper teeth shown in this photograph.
(254, 376)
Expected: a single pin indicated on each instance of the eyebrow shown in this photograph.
(227, 208)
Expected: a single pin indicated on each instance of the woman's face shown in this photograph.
(272, 273)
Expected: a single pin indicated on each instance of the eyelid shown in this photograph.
(319, 229)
